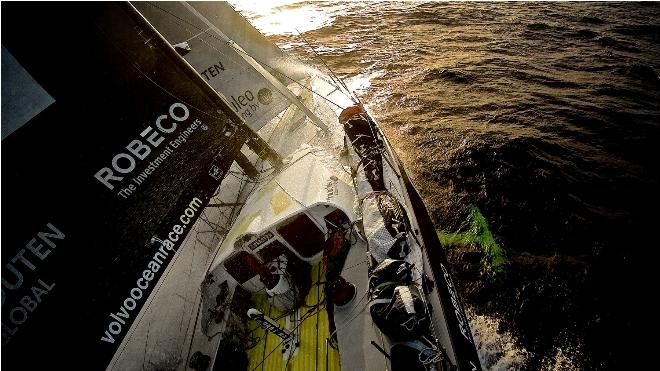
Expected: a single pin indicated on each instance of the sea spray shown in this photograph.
(498, 350)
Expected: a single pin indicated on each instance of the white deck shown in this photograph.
(355, 329)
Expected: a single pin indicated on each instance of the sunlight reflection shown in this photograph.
(284, 17)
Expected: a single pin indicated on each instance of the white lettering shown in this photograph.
(130, 304)
(108, 338)
(131, 163)
(186, 113)
(115, 328)
(138, 150)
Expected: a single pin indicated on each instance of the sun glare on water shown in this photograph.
(284, 17)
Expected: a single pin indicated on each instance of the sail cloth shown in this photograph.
(202, 29)
(385, 222)
(104, 183)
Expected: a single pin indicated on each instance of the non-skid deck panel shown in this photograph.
(314, 354)
(355, 329)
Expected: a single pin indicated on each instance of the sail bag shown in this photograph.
(385, 226)
(397, 306)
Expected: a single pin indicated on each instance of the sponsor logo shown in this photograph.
(265, 96)
(213, 70)
(458, 310)
(123, 163)
(260, 240)
(130, 306)
(18, 277)
(215, 172)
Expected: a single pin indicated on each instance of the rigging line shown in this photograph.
(286, 366)
(305, 317)
(327, 360)
(280, 120)
(352, 313)
(138, 69)
(355, 265)
(211, 45)
(231, 220)
(348, 322)
(290, 78)
(185, 41)
(263, 355)
(243, 52)
(146, 306)
(338, 83)
(199, 309)
(332, 73)
(382, 340)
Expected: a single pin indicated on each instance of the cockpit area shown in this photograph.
(287, 227)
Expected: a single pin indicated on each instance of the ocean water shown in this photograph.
(546, 117)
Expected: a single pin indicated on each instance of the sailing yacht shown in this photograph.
(255, 217)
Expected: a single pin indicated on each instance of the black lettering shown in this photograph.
(7, 330)
(28, 303)
(235, 104)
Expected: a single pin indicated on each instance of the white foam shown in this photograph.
(497, 351)
(564, 359)
(363, 81)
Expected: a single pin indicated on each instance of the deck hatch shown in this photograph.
(243, 266)
(303, 235)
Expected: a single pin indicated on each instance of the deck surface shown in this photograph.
(313, 354)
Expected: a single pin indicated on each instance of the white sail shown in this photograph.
(221, 63)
